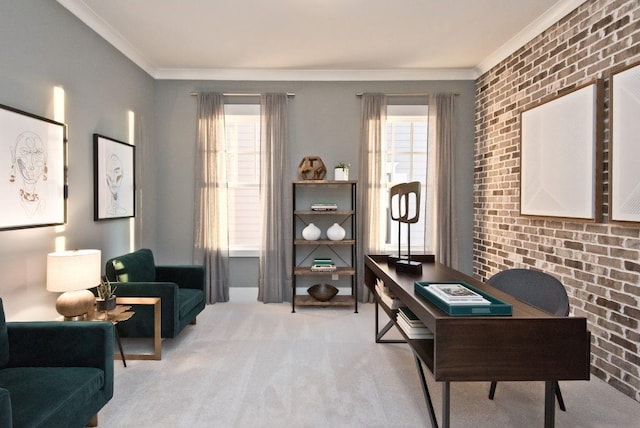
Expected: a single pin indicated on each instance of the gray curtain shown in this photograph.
(442, 107)
(371, 218)
(211, 225)
(274, 279)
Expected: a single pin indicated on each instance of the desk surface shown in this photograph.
(529, 345)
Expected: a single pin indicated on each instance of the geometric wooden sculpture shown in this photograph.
(402, 197)
(312, 168)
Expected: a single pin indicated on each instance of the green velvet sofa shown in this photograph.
(54, 374)
(180, 288)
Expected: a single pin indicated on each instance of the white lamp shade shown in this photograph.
(73, 270)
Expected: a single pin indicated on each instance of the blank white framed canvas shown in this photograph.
(559, 140)
(624, 149)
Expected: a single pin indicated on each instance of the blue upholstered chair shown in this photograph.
(538, 289)
(180, 288)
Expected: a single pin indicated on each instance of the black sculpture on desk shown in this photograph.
(402, 194)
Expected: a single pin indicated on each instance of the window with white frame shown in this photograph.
(408, 156)
(242, 132)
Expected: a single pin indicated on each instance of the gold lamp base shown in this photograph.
(74, 305)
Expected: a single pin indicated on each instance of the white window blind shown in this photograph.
(409, 157)
(242, 128)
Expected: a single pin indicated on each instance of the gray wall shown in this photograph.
(324, 120)
(41, 46)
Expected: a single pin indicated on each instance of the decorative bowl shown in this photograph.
(322, 292)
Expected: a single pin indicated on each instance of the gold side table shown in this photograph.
(118, 314)
(157, 339)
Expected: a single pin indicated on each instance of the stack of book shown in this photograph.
(386, 295)
(323, 265)
(456, 294)
(411, 325)
(324, 206)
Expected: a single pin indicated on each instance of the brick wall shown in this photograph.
(599, 263)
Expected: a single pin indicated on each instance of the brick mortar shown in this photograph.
(599, 263)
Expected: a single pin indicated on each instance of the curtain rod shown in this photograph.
(226, 94)
(413, 94)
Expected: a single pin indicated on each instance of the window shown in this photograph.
(242, 131)
(409, 157)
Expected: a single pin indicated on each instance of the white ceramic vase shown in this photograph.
(336, 232)
(311, 232)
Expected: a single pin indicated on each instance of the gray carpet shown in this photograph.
(246, 364)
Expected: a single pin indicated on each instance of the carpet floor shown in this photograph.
(247, 364)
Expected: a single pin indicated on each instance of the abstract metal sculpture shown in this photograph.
(404, 207)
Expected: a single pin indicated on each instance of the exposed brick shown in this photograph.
(625, 321)
(574, 245)
(598, 262)
(628, 265)
(608, 304)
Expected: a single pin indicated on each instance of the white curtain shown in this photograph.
(370, 184)
(211, 223)
(274, 280)
(442, 106)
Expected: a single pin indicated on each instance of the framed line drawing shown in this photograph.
(560, 141)
(32, 160)
(114, 178)
(624, 148)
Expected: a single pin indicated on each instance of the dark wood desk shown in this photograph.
(530, 345)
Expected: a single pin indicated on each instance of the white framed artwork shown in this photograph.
(624, 149)
(33, 185)
(114, 178)
(559, 155)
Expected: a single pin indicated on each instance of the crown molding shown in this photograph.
(553, 15)
(316, 75)
(85, 14)
(107, 32)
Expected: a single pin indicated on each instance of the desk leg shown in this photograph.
(446, 404)
(380, 333)
(549, 404)
(425, 391)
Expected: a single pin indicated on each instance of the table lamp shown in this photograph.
(73, 273)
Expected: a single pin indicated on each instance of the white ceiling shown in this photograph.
(318, 39)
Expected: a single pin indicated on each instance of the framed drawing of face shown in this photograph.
(32, 159)
(114, 178)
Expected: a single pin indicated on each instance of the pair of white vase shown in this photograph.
(313, 232)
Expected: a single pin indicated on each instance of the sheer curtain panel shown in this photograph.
(442, 107)
(211, 223)
(370, 184)
(274, 280)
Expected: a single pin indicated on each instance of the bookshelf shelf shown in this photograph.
(341, 253)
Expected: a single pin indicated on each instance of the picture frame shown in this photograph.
(624, 150)
(114, 178)
(32, 159)
(561, 141)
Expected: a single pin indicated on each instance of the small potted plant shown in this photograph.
(106, 300)
(341, 171)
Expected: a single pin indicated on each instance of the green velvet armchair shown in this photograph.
(54, 374)
(180, 288)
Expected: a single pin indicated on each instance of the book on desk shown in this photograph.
(461, 299)
(411, 324)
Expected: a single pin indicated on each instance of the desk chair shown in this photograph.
(539, 289)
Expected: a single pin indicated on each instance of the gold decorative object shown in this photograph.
(312, 168)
